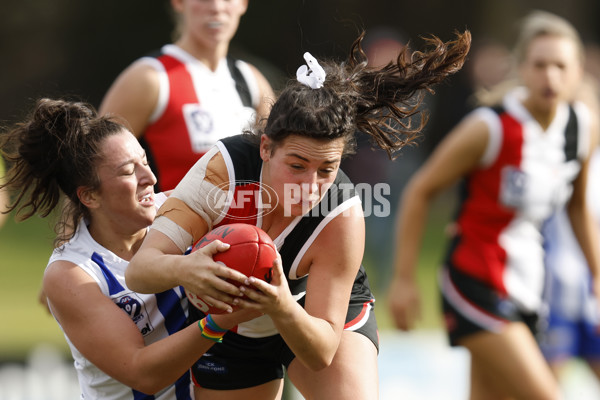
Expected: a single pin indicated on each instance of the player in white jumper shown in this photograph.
(126, 345)
(182, 100)
(520, 161)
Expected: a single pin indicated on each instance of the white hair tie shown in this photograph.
(312, 75)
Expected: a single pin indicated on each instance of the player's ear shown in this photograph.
(88, 197)
(266, 147)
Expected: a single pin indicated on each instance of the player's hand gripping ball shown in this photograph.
(251, 252)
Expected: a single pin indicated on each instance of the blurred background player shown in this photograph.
(487, 65)
(573, 321)
(190, 94)
(571, 329)
(520, 161)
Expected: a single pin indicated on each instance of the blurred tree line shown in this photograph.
(76, 48)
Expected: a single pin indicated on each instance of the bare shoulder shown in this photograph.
(267, 96)
(460, 152)
(64, 283)
(62, 274)
(473, 130)
(139, 71)
(346, 230)
(340, 244)
(133, 95)
(467, 142)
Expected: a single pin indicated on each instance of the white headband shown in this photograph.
(312, 76)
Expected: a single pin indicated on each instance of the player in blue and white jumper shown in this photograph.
(126, 345)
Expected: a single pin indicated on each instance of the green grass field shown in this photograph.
(26, 246)
(434, 244)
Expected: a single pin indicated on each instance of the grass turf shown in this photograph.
(24, 251)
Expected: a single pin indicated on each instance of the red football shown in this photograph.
(251, 252)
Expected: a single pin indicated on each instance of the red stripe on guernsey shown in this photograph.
(483, 218)
(243, 206)
(168, 137)
(361, 318)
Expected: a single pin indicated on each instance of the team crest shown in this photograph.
(136, 309)
(514, 184)
(200, 126)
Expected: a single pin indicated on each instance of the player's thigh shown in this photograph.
(267, 391)
(483, 384)
(352, 374)
(509, 363)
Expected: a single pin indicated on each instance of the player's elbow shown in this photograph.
(419, 189)
(149, 384)
(147, 388)
(135, 278)
(322, 364)
(131, 279)
(319, 361)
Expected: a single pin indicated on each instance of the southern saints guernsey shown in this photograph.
(525, 176)
(196, 107)
(244, 203)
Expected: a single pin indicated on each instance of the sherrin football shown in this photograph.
(251, 252)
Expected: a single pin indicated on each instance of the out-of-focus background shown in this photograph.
(75, 49)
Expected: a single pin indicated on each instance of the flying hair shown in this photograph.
(380, 102)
